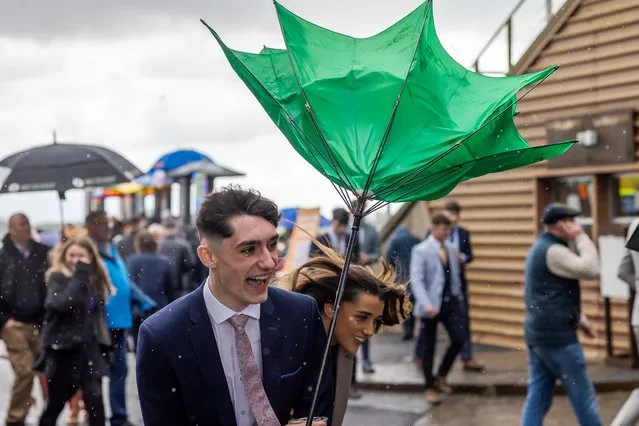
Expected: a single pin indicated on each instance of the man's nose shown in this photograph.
(267, 259)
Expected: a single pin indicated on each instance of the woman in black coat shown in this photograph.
(75, 338)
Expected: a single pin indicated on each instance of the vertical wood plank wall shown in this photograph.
(598, 53)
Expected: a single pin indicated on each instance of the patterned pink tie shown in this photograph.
(250, 375)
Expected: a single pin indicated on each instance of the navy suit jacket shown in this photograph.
(180, 376)
(324, 239)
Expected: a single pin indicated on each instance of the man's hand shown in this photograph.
(11, 323)
(571, 229)
(588, 329)
(364, 258)
(431, 311)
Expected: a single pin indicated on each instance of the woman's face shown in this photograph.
(357, 321)
(74, 254)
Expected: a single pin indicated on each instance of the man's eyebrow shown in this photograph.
(255, 242)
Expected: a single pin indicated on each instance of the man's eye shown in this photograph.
(272, 246)
(248, 250)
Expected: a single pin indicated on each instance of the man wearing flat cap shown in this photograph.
(553, 316)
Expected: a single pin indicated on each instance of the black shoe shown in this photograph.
(367, 367)
(18, 423)
(473, 367)
(406, 337)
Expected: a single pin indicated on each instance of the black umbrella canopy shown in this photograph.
(206, 167)
(63, 166)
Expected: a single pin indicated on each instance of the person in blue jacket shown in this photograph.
(118, 312)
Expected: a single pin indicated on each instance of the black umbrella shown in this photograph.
(63, 166)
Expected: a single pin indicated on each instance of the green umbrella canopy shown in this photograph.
(390, 117)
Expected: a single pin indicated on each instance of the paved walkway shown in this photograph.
(506, 370)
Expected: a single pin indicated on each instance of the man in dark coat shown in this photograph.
(460, 237)
(23, 263)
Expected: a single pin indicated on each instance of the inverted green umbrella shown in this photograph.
(388, 118)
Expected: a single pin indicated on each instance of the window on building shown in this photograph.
(574, 191)
(577, 193)
(625, 197)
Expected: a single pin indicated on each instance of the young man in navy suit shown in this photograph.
(460, 237)
(236, 351)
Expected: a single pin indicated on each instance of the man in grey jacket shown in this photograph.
(436, 285)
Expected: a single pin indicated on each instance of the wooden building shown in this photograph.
(596, 91)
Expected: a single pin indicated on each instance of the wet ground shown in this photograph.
(473, 410)
(379, 408)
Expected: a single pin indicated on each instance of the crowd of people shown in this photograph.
(70, 313)
(234, 348)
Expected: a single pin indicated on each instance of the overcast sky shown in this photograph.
(146, 77)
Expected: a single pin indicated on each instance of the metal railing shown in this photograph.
(508, 27)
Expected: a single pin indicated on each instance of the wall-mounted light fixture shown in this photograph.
(587, 138)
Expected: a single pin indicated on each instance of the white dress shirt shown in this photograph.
(225, 339)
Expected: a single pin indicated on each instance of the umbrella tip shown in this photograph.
(55, 138)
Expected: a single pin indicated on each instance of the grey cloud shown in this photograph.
(46, 19)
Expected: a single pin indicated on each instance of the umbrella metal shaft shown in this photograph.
(336, 306)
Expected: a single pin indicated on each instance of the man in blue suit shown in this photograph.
(460, 237)
(236, 351)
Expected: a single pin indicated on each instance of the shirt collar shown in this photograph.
(221, 313)
(435, 241)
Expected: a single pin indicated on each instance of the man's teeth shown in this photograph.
(360, 339)
(260, 278)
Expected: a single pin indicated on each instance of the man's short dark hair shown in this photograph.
(440, 219)
(145, 242)
(218, 207)
(134, 221)
(341, 216)
(93, 216)
(170, 223)
(453, 207)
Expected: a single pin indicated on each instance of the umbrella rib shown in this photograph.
(341, 192)
(392, 187)
(282, 109)
(430, 178)
(378, 155)
(464, 164)
(408, 178)
(346, 182)
(434, 178)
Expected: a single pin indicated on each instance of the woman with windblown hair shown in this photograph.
(75, 338)
(370, 301)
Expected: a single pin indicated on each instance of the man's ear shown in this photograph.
(328, 309)
(207, 257)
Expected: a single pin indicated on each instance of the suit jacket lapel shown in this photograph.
(208, 357)
(270, 338)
